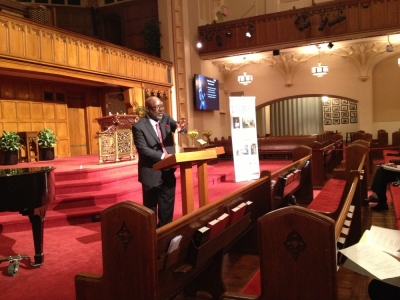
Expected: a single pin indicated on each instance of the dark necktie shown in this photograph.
(160, 137)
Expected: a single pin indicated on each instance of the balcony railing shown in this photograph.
(298, 27)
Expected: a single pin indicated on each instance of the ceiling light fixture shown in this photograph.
(245, 79)
(319, 70)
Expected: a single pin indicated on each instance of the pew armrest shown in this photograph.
(233, 296)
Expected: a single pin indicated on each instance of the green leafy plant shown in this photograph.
(140, 111)
(47, 138)
(10, 141)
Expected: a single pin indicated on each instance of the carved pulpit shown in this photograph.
(115, 137)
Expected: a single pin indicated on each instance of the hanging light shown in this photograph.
(319, 70)
(245, 79)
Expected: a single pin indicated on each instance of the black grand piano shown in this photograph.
(28, 191)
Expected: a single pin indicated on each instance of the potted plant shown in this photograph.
(10, 144)
(46, 141)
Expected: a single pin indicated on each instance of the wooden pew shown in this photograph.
(298, 258)
(136, 262)
(288, 182)
(283, 145)
(321, 157)
(338, 153)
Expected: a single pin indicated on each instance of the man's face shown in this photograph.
(155, 109)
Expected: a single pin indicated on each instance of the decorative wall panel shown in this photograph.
(37, 111)
(48, 110)
(60, 48)
(23, 110)
(32, 39)
(9, 109)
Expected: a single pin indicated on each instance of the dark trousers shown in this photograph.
(381, 179)
(379, 290)
(161, 199)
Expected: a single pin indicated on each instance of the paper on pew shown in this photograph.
(367, 259)
(174, 244)
(387, 240)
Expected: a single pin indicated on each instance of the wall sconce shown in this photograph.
(249, 31)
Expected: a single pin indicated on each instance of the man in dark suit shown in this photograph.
(158, 187)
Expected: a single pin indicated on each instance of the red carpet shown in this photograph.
(70, 250)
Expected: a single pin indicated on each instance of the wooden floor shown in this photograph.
(239, 269)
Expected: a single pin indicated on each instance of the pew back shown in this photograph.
(132, 247)
(298, 250)
(297, 255)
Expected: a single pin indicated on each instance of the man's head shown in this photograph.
(154, 108)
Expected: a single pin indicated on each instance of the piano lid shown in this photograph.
(25, 189)
(24, 171)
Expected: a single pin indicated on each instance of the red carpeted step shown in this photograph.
(96, 171)
(111, 181)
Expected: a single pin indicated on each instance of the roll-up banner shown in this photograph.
(244, 138)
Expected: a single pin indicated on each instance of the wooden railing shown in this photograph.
(43, 48)
(278, 30)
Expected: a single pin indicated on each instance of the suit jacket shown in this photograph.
(149, 147)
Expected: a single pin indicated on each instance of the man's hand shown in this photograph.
(167, 155)
(181, 126)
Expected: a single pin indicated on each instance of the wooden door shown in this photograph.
(77, 123)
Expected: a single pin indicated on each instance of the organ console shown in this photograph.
(28, 191)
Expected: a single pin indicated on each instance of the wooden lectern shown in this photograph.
(185, 161)
(115, 137)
